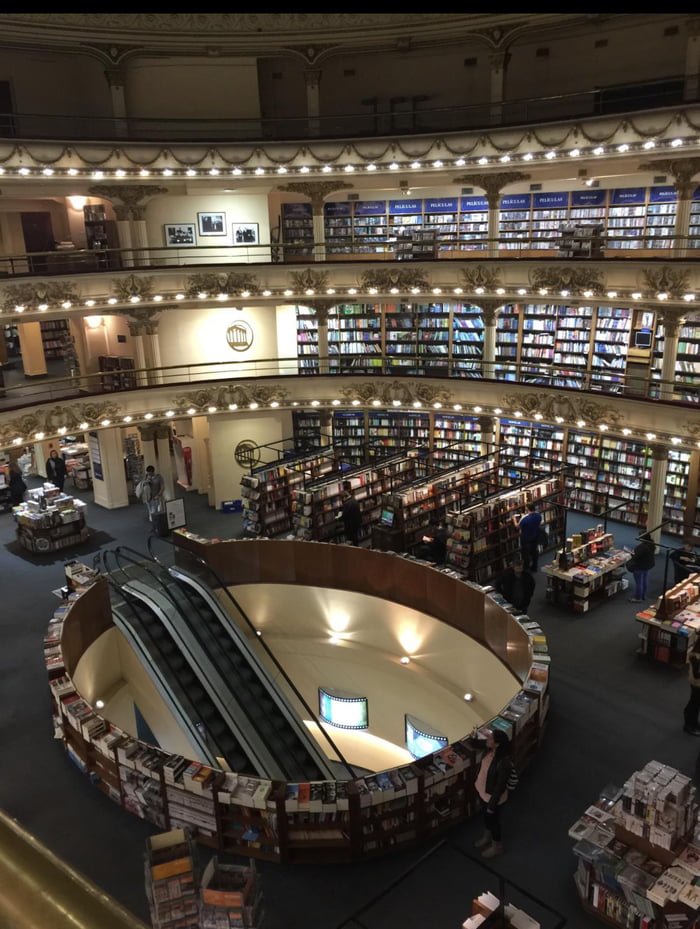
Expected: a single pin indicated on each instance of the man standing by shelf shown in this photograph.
(685, 561)
(529, 526)
(517, 585)
(351, 515)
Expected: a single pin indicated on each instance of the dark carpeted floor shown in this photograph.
(611, 712)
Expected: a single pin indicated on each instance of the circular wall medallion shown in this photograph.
(247, 454)
(240, 336)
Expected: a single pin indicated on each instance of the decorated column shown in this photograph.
(492, 185)
(129, 203)
(682, 172)
(317, 191)
(671, 322)
(657, 489)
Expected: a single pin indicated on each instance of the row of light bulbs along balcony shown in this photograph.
(352, 292)
(597, 151)
(315, 404)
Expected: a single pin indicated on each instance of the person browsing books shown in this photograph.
(529, 525)
(433, 546)
(152, 491)
(641, 563)
(517, 585)
(691, 724)
(685, 561)
(351, 515)
(491, 786)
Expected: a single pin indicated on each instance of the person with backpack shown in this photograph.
(496, 776)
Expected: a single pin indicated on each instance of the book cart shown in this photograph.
(329, 821)
(638, 861)
(587, 572)
(665, 629)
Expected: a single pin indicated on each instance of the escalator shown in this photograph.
(219, 686)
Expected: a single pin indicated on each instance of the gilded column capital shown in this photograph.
(129, 202)
(492, 184)
(316, 191)
(682, 171)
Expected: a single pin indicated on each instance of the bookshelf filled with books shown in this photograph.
(307, 340)
(171, 880)
(687, 359)
(266, 492)
(355, 339)
(508, 342)
(636, 852)
(483, 538)
(297, 231)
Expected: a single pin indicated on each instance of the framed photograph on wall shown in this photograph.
(179, 235)
(212, 223)
(245, 233)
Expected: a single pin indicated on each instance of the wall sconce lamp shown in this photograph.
(77, 202)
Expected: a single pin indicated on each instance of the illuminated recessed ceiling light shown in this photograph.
(191, 411)
(405, 660)
(274, 404)
(580, 423)
(236, 172)
(39, 435)
(603, 427)
(214, 172)
(335, 403)
(376, 403)
(623, 148)
(355, 402)
(315, 403)
(675, 440)
(469, 697)
(371, 167)
(477, 409)
(326, 169)
(437, 164)
(612, 293)
(71, 171)
(559, 419)
(87, 303)
(288, 293)
(676, 142)
(233, 406)
(349, 169)
(457, 406)
(651, 435)
(127, 419)
(550, 155)
(528, 156)
(98, 175)
(522, 291)
(304, 169)
(688, 297)
(504, 159)
(352, 290)
(478, 290)
(281, 170)
(483, 160)
(63, 430)
(105, 422)
(23, 171)
(253, 405)
(48, 172)
(500, 290)
(259, 171)
(574, 153)
(588, 293)
(211, 409)
(148, 416)
(636, 296)
(179, 296)
(538, 416)
(170, 413)
(45, 306)
(497, 410)
(167, 172)
(649, 144)
(190, 172)
(393, 166)
(144, 172)
(460, 162)
(16, 440)
(415, 165)
(662, 296)
(598, 150)
(457, 290)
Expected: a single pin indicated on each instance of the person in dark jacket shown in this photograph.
(491, 785)
(517, 585)
(351, 515)
(643, 558)
(17, 484)
(685, 561)
(56, 469)
(433, 546)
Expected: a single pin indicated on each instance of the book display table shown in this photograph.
(588, 573)
(665, 629)
(638, 859)
(49, 520)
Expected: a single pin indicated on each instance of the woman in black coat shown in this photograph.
(56, 469)
(17, 485)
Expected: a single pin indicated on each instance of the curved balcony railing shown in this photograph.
(373, 122)
(683, 390)
(86, 261)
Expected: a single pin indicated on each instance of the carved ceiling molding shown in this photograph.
(403, 391)
(481, 276)
(682, 170)
(673, 281)
(143, 320)
(75, 417)
(492, 184)
(400, 278)
(36, 293)
(128, 200)
(132, 286)
(223, 396)
(568, 278)
(309, 280)
(551, 405)
(316, 191)
(212, 282)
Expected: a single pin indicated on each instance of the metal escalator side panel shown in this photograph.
(232, 710)
(297, 726)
